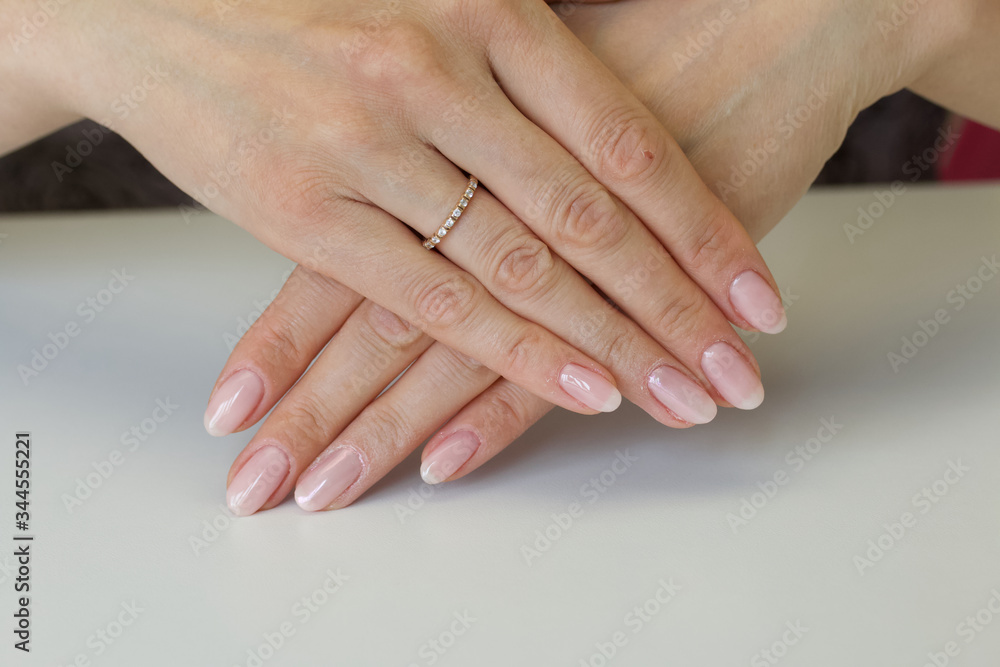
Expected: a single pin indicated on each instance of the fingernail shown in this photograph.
(756, 301)
(445, 459)
(589, 388)
(681, 395)
(233, 402)
(332, 475)
(732, 376)
(257, 480)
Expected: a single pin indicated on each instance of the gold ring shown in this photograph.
(470, 190)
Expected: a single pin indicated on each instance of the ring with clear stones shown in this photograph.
(443, 230)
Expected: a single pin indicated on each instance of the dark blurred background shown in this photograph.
(882, 139)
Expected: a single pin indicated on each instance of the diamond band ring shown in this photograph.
(470, 190)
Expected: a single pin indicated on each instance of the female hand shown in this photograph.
(327, 128)
(717, 120)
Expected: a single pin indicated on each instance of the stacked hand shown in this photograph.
(758, 120)
(342, 134)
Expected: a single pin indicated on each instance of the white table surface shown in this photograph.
(666, 518)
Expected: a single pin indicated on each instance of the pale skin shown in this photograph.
(335, 130)
(722, 106)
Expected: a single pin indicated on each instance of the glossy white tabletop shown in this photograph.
(853, 519)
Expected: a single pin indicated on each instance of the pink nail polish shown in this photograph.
(451, 454)
(589, 388)
(328, 478)
(732, 376)
(233, 402)
(756, 301)
(681, 395)
(257, 480)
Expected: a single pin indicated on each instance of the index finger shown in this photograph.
(565, 90)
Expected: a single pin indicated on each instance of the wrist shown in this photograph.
(912, 37)
(33, 104)
(961, 74)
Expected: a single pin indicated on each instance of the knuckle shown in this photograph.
(278, 338)
(462, 365)
(678, 316)
(298, 189)
(390, 427)
(444, 300)
(626, 148)
(591, 218)
(708, 240)
(402, 55)
(617, 345)
(388, 330)
(304, 423)
(520, 352)
(586, 325)
(504, 412)
(523, 267)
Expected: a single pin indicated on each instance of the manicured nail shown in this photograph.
(257, 480)
(589, 388)
(756, 301)
(233, 402)
(330, 477)
(732, 376)
(450, 455)
(682, 395)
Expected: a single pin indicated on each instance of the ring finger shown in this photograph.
(519, 270)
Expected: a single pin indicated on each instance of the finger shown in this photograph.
(518, 268)
(599, 236)
(590, 112)
(438, 384)
(278, 346)
(480, 431)
(446, 303)
(371, 349)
